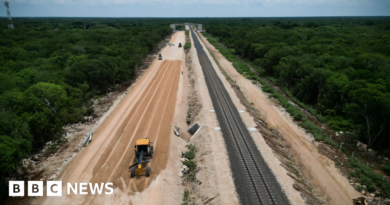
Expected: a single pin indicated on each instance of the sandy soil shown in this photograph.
(323, 174)
(146, 111)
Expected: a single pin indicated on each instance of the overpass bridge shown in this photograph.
(198, 26)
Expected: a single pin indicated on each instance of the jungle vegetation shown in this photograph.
(51, 68)
(339, 66)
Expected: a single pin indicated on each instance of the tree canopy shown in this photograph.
(338, 65)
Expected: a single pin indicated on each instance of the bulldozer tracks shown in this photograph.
(254, 181)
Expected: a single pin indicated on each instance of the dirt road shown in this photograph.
(323, 173)
(146, 111)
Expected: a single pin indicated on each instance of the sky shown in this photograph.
(196, 8)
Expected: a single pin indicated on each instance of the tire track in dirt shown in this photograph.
(152, 100)
(108, 127)
(115, 141)
(141, 125)
(135, 122)
(144, 182)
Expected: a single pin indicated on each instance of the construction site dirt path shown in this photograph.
(146, 111)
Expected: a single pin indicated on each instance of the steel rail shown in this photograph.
(235, 130)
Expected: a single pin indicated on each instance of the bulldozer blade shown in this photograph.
(136, 164)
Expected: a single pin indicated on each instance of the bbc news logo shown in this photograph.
(54, 188)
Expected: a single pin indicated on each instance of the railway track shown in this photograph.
(254, 181)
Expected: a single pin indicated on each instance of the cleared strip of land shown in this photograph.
(146, 111)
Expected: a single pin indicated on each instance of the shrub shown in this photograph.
(297, 115)
(266, 88)
(386, 168)
(190, 164)
(90, 111)
(53, 148)
(190, 154)
(187, 46)
(330, 142)
(368, 177)
(371, 188)
(385, 191)
(338, 123)
(359, 188)
(353, 174)
(186, 197)
(365, 181)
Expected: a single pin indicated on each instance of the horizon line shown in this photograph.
(187, 17)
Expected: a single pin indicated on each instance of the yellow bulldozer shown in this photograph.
(143, 155)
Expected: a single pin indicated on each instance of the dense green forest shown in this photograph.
(51, 68)
(340, 66)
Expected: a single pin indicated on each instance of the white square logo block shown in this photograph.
(54, 188)
(35, 188)
(16, 188)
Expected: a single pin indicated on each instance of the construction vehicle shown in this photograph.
(359, 201)
(159, 56)
(143, 155)
(179, 45)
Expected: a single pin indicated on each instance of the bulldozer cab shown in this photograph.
(142, 148)
(142, 145)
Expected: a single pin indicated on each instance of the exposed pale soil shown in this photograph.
(194, 105)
